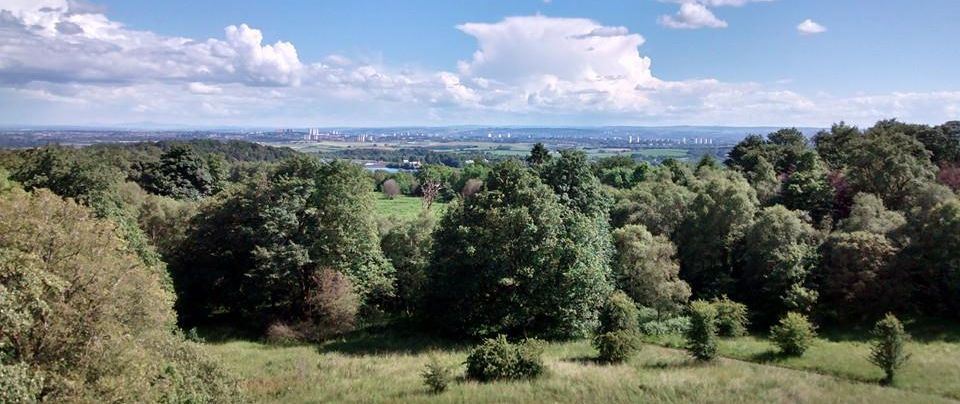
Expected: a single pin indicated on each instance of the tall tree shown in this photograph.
(539, 155)
(888, 164)
(721, 211)
(513, 259)
(779, 251)
(646, 268)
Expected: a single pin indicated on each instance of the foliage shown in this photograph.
(701, 337)
(18, 385)
(793, 334)
(870, 215)
(408, 246)
(513, 260)
(888, 164)
(573, 182)
(779, 251)
(251, 251)
(732, 317)
(181, 173)
(81, 309)
(436, 376)
(645, 268)
(617, 346)
(619, 313)
(721, 212)
(498, 359)
(539, 155)
(658, 204)
(933, 260)
(616, 338)
(671, 326)
(887, 350)
(855, 276)
(808, 188)
(390, 188)
(331, 304)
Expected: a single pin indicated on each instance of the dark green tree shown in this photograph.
(514, 260)
(779, 251)
(183, 174)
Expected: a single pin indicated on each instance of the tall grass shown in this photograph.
(384, 368)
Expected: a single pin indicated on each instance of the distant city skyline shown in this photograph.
(303, 64)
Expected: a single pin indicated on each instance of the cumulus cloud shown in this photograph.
(692, 16)
(62, 61)
(695, 14)
(49, 40)
(809, 27)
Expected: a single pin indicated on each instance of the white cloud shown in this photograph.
(62, 62)
(809, 27)
(200, 88)
(692, 16)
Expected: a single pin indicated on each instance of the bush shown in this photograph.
(794, 334)
(436, 376)
(617, 337)
(670, 326)
(390, 188)
(887, 351)
(332, 305)
(702, 334)
(732, 317)
(283, 334)
(18, 385)
(617, 346)
(498, 359)
(618, 313)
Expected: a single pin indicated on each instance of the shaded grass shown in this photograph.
(386, 368)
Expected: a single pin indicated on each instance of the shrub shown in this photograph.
(702, 334)
(332, 305)
(498, 359)
(670, 326)
(282, 334)
(436, 376)
(18, 385)
(390, 188)
(887, 351)
(617, 337)
(82, 309)
(617, 346)
(794, 334)
(618, 313)
(732, 317)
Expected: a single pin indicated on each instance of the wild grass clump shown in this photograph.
(436, 376)
(887, 350)
(702, 334)
(793, 334)
(732, 317)
(498, 359)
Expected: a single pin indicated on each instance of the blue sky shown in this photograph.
(562, 62)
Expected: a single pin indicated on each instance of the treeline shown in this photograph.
(426, 156)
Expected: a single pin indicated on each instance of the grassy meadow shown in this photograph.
(403, 208)
(932, 369)
(367, 367)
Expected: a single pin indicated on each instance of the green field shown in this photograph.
(404, 207)
(379, 368)
(934, 366)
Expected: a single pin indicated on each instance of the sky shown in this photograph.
(508, 62)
